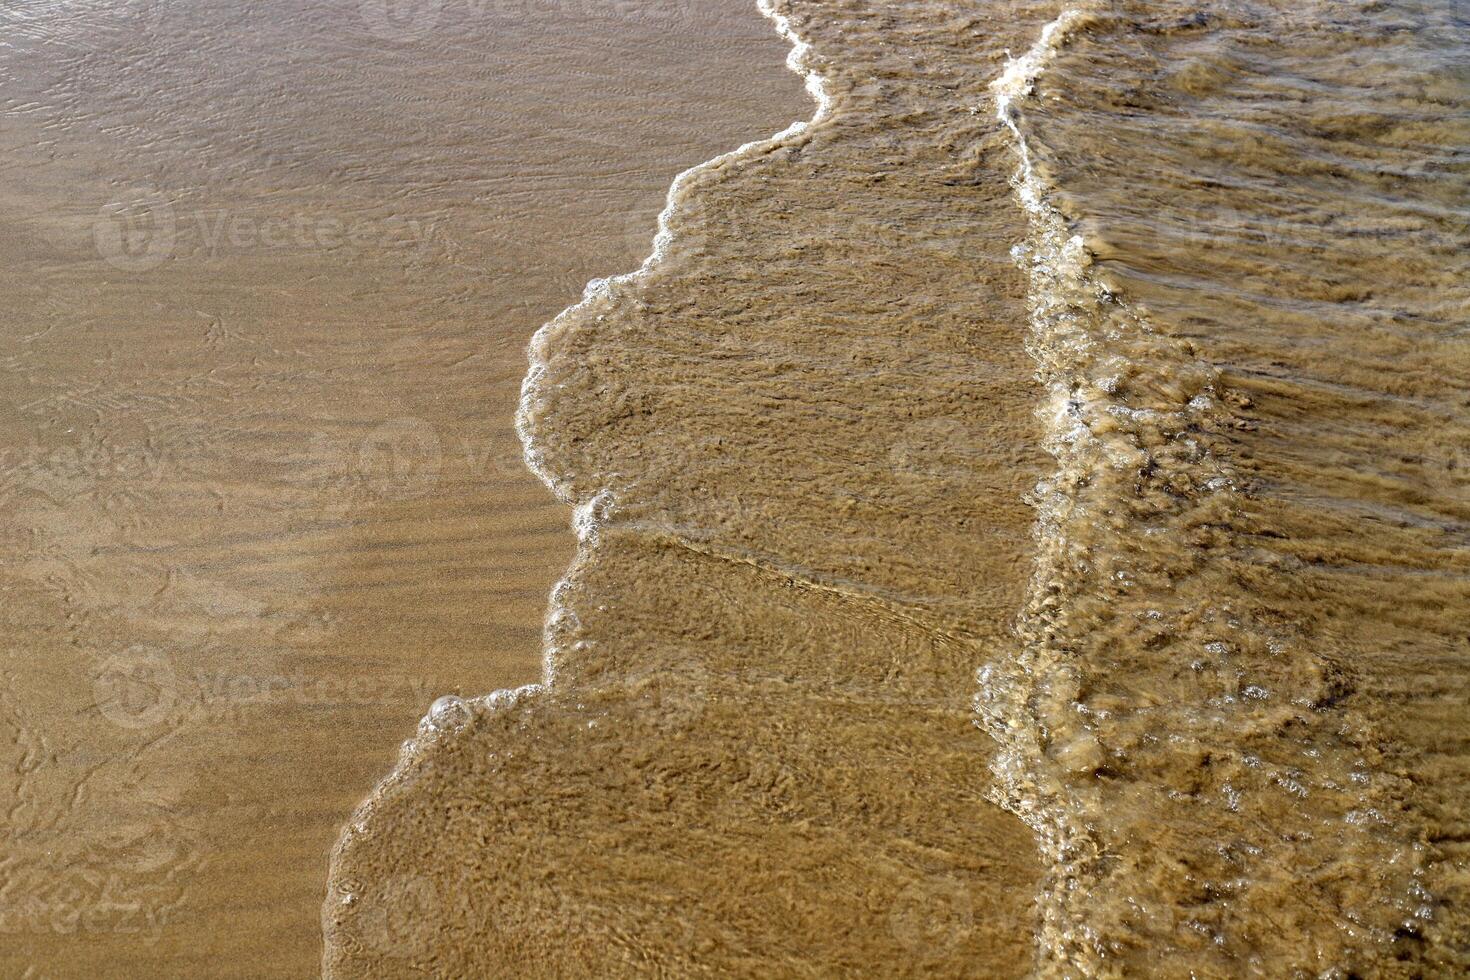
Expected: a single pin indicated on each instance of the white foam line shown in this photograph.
(1018, 81)
(816, 85)
(589, 514)
(1018, 772)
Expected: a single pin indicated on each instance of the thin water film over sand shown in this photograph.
(1022, 528)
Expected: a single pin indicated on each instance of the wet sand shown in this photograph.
(272, 271)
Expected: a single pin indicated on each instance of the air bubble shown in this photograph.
(448, 713)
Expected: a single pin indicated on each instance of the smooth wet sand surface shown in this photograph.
(262, 497)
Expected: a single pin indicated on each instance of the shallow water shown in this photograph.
(1090, 378)
(798, 446)
(1244, 640)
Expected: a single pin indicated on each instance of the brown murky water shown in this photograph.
(1021, 515)
(797, 447)
(1220, 657)
(271, 271)
(1244, 682)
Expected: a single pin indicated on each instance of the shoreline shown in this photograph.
(639, 665)
(261, 484)
(450, 711)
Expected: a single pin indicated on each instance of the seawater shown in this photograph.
(1022, 527)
